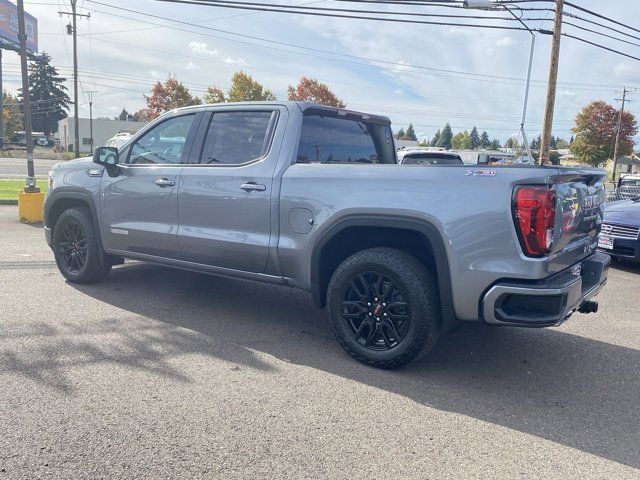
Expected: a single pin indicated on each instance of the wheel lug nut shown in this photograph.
(375, 299)
(369, 313)
(369, 304)
(384, 314)
(384, 304)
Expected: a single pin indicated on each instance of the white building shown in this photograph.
(103, 130)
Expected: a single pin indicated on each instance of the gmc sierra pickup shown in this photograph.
(311, 197)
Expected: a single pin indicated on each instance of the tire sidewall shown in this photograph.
(92, 263)
(418, 309)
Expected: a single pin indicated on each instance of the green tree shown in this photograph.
(214, 95)
(124, 115)
(435, 139)
(484, 140)
(571, 140)
(475, 138)
(47, 94)
(461, 141)
(167, 96)
(445, 137)
(535, 143)
(246, 89)
(400, 135)
(595, 131)
(11, 115)
(511, 142)
(411, 133)
(495, 144)
(311, 90)
(561, 143)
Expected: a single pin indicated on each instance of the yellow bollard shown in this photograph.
(30, 206)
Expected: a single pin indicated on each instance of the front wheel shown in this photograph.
(76, 248)
(384, 307)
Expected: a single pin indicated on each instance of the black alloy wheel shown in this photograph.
(73, 247)
(376, 311)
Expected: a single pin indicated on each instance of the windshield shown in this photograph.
(431, 159)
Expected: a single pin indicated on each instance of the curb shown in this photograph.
(8, 201)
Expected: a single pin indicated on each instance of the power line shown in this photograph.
(258, 7)
(404, 66)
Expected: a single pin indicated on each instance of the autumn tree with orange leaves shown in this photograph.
(595, 133)
(311, 90)
(167, 96)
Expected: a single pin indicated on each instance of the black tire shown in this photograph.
(404, 278)
(81, 260)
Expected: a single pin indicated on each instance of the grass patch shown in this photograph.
(39, 152)
(9, 189)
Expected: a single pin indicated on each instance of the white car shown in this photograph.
(118, 140)
(428, 157)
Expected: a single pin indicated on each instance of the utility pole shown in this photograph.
(91, 92)
(1, 103)
(26, 101)
(615, 148)
(74, 32)
(551, 87)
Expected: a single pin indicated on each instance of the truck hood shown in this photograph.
(75, 163)
(623, 211)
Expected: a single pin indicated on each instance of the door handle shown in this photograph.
(253, 187)
(164, 182)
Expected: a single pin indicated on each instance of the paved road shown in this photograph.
(17, 167)
(166, 374)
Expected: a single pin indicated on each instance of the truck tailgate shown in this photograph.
(580, 196)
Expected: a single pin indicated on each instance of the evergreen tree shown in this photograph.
(553, 142)
(435, 139)
(124, 115)
(495, 144)
(47, 94)
(571, 140)
(411, 133)
(475, 138)
(400, 135)
(535, 143)
(445, 137)
(511, 143)
(484, 140)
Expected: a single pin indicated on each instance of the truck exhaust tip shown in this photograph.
(588, 307)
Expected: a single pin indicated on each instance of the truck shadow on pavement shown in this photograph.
(565, 388)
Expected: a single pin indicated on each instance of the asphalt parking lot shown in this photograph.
(157, 373)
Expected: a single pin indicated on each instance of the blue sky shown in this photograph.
(121, 58)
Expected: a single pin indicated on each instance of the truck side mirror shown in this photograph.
(108, 158)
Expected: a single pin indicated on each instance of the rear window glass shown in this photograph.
(431, 159)
(630, 183)
(327, 139)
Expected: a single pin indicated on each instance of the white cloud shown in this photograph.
(192, 67)
(235, 61)
(154, 74)
(402, 66)
(201, 48)
(566, 93)
(506, 42)
(398, 91)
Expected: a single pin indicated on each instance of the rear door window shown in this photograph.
(326, 139)
(235, 138)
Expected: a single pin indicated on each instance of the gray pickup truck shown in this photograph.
(309, 196)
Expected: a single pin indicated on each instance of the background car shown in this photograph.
(619, 236)
(118, 140)
(421, 157)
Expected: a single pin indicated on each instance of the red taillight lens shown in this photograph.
(534, 212)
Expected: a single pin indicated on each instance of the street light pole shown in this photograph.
(491, 5)
(26, 101)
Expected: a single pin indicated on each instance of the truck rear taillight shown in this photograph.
(534, 212)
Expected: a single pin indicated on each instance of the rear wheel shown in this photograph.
(384, 307)
(77, 251)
